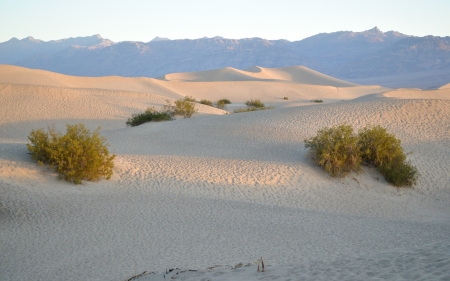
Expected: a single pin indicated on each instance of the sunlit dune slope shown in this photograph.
(19, 75)
(40, 106)
(447, 86)
(297, 74)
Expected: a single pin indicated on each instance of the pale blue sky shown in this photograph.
(141, 20)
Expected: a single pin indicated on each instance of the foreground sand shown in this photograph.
(221, 189)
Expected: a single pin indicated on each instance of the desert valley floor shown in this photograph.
(216, 190)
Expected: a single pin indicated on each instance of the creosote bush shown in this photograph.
(183, 108)
(189, 98)
(253, 105)
(339, 151)
(75, 156)
(384, 151)
(222, 103)
(149, 115)
(336, 150)
(206, 102)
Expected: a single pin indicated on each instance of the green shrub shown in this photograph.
(75, 156)
(149, 115)
(317, 101)
(189, 98)
(336, 150)
(339, 151)
(399, 173)
(384, 151)
(206, 102)
(255, 103)
(379, 147)
(180, 107)
(246, 109)
(222, 103)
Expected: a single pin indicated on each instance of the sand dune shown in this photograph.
(19, 75)
(221, 189)
(41, 106)
(404, 93)
(297, 74)
(447, 86)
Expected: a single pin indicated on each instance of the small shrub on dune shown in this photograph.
(245, 109)
(317, 101)
(149, 115)
(75, 156)
(224, 101)
(399, 173)
(384, 151)
(222, 104)
(379, 147)
(206, 102)
(255, 103)
(336, 150)
(184, 108)
(339, 151)
(189, 98)
(285, 98)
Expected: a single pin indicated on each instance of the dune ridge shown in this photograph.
(297, 74)
(221, 189)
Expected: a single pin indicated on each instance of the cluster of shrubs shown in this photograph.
(78, 155)
(253, 105)
(221, 104)
(182, 107)
(317, 100)
(339, 151)
(149, 115)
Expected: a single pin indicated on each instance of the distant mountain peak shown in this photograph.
(31, 39)
(375, 30)
(158, 39)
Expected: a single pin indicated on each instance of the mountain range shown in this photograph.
(370, 57)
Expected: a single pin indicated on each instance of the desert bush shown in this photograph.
(377, 146)
(75, 156)
(339, 151)
(317, 101)
(206, 102)
(336, 150)
(189, 98)
(222, 103)
(245, 109)
(255, 103)
(399, 173)
(285, 98)
(180, 107)
(248, 109)
(149, 115)
(384, 151)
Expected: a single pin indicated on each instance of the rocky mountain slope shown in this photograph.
(370, 56)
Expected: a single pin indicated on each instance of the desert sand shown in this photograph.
(215, 192)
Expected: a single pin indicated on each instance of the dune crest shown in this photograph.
(296, 74)
(447, 86)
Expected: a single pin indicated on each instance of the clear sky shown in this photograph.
(142, 20)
